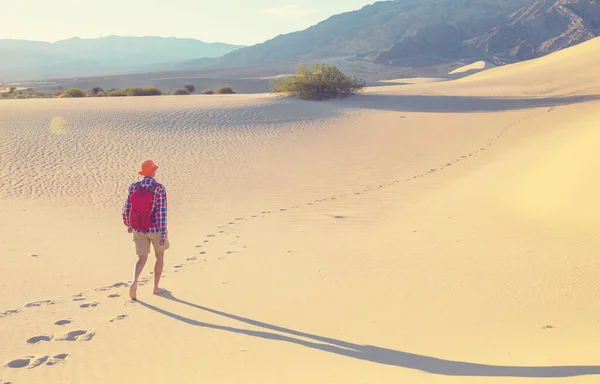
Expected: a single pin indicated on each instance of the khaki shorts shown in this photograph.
(142, 243)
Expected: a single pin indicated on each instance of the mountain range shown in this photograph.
(416, 33)
(22, 59)
(403, 33)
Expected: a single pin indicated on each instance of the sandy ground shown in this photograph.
(441, 232)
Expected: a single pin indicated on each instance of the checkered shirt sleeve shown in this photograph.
(160, 198)
(127, 207)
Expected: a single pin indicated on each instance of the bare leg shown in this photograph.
(158, 268)
(139, 266)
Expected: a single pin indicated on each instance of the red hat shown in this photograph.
(147, 168)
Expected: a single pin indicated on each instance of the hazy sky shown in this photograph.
(230, 21)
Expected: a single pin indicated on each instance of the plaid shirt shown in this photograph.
(159, 208)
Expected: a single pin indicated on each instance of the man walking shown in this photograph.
(145, 215)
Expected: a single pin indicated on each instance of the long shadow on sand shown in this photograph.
(453, 104)
(373, 353)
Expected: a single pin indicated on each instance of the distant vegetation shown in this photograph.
(117, 93)
(14, 93)
(321, 82)
(225, 90)
(181, 91)
(73, 92)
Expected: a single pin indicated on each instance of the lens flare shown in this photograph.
(58, 125)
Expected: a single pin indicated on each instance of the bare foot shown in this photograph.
(158, 291)
(133, 291)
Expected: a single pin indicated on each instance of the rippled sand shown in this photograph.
(432, 233)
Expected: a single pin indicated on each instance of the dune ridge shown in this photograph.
(439, 232)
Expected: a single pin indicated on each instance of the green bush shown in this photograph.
(181, 91)
(322, 82)
(151, 90)
(12, 89)
(135, 91)
(117, 93)
(208, 92)
(225, 90)
(148, 91)
(73, 92)
(190, 87)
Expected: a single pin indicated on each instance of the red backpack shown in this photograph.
(140, 214)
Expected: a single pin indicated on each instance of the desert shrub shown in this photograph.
(225, 90)
(321, 82)
(12, 89)
(148, 91)
(152, 91)
(117, 93)
(97, 90)
(208, 92)
(73, 92)
(181, 91)
(135, 91)
(190, 87)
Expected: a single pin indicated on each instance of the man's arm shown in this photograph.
(161, 212)
(127, 208)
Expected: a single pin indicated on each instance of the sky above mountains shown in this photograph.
(229, 21)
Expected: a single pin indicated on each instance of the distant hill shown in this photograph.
(411, 34)
(371, 29)
(86, 57)
(421, 33)
(540, 28)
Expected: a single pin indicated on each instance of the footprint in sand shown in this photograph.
(90, 305)
(79, 297)
(193, 258)
(31, 362)
(57, 359)
(118, 318)
(8, 313)
(211, 235)
(39, 339)
(63, 322)
(120, 284)
(40, 303)
(79, 335)
(114, 296)
(28, 362)
(203, 253)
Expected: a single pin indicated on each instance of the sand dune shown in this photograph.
(472, 68)
(434, 233)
